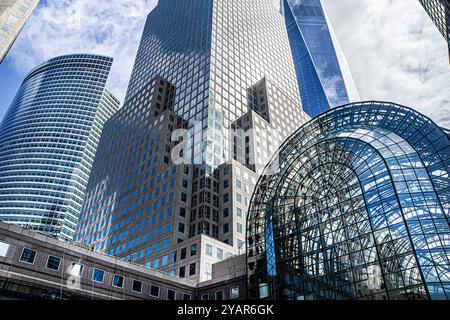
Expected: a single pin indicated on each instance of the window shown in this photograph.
(219, 295)
(239, 228)
(226, 228)
(173, 257)
(219, 254)
(98, 275)
(192, 269)
(234, 293)
(193, 249)
(53, 263)
(3, 249)
(209, 250)
(205, 296)
(183, 253)
(154, 291)
(76, 269)
(118, 281)
(186, 296)
(137, 286)
(28, 256)
(182, 272)
(171, 295)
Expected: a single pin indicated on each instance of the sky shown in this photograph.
(394, 51)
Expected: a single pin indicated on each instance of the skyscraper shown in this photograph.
(14, 14)
(358, 210)
(48, 140)
(217, 69)
(323, 76)
(439, 11)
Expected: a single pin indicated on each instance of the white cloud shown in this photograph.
(395, 53)
(112, 28)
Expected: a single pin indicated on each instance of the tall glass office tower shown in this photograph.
(48, 140)
(439, 11)
(358, 210)
(322, 72)
(14, 14)
(215, 68)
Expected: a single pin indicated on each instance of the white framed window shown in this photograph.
(98, 275)
(76, 269)
(219, 295)
(53, 263)
(171, 294)
(137, 286)
(186, 296)
(4, 247)
(154, 291)
(234, 293)
(28, 256)
(118, 281)
(209, 250)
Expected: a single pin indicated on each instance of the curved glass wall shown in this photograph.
(48, 140)
(359, 209)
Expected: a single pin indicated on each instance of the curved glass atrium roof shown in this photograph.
(358, 208)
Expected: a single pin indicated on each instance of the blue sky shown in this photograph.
(394, 51)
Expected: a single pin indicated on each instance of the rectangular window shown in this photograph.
(171, 295)
(53, 263)
(118, 281)
(4, 247)
(234, 293)
(76, 269)
(186, 296)
(182, 272)
(98, 275)
(209, 250)
(192, 269)
(183, 253)
(205, 296)
(219, 295)
(154, 291)
(193, 249)
(28, 256)
(219, 254)
(137, 286)
(173, 257)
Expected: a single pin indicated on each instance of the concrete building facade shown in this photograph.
(34, 266)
